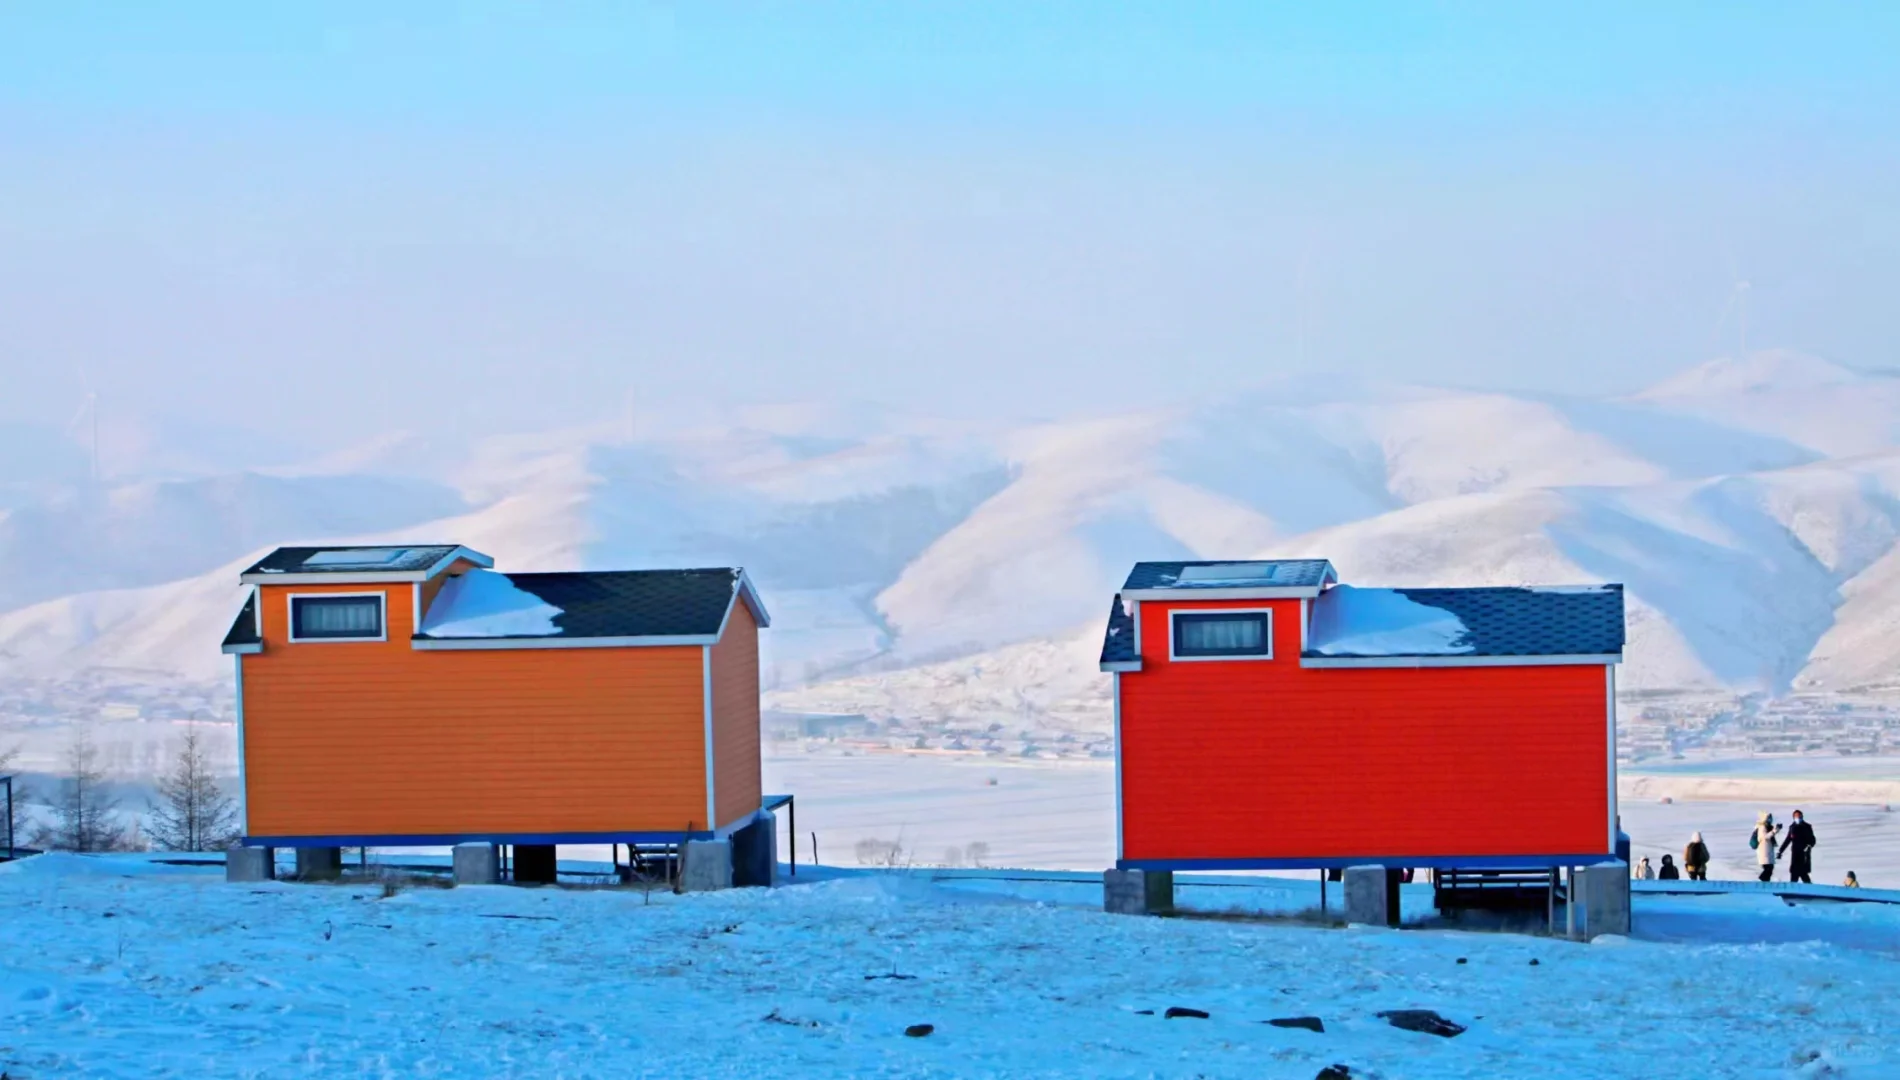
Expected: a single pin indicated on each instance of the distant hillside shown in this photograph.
(1752, 508)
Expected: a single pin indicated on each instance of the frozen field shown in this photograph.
(1778, 767)
(115, 967)
(1061, 815)
(1049, 814)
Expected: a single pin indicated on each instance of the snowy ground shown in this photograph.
(116, 967)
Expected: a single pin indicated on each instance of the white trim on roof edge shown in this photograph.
(460, 552)
(242, 650)
(1191, 594)
(742, 589)
(449, 644)
(1121, 665)
(1459, 661)
(752, 600)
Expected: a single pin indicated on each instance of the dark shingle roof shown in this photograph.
(244, 628)
(1276, 573)
(632, 603)
(1118, 644)
(294, 560)
(1578, 621)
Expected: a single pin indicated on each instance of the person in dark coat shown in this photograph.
(1668, 871)
(1801, 838)
(1695, 858)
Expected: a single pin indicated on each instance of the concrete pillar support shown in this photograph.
(1372, 895)
(319, 863)
(707, 866)
(249, 864)
(1138, 892)
(1602, 899)
(477, 864)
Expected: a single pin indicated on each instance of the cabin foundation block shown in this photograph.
(755, 853)
(707, 866)
(1138, 892)
(535, 864)
(1602, 896)
(319, 863)
(477, 864)
(1372, 895)
(249, 864)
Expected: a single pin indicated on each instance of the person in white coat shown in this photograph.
(1766, 835)
(1643, 870)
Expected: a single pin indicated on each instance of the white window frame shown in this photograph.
(1173, 658)
(290, 617)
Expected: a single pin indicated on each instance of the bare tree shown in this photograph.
(84, 817)
(192, 812)
(872, 851)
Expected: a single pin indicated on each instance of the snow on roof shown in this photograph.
(1351, 621)
(482, 604)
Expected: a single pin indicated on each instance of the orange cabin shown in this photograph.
(397, 696)
(1268, 717)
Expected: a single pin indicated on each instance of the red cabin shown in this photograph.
(1268, 717)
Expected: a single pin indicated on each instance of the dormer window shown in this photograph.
(333, 617)
(1221, 635)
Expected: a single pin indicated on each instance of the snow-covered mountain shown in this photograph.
(88, 537)
(1751, 506)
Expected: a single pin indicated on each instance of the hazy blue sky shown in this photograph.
(334, 219)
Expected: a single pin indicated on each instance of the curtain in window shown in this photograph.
(340, 618)
(1223, 635)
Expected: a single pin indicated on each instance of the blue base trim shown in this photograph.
(451, 839)
(1436, 862)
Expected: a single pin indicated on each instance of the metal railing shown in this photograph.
(7, 783)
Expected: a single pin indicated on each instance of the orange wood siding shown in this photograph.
(735, 682)
(1264, 759)
(375, 738)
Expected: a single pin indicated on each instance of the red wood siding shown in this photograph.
(1253, 759)
(375, 738)
(735, 699)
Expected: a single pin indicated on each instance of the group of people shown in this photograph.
(1766, 841)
